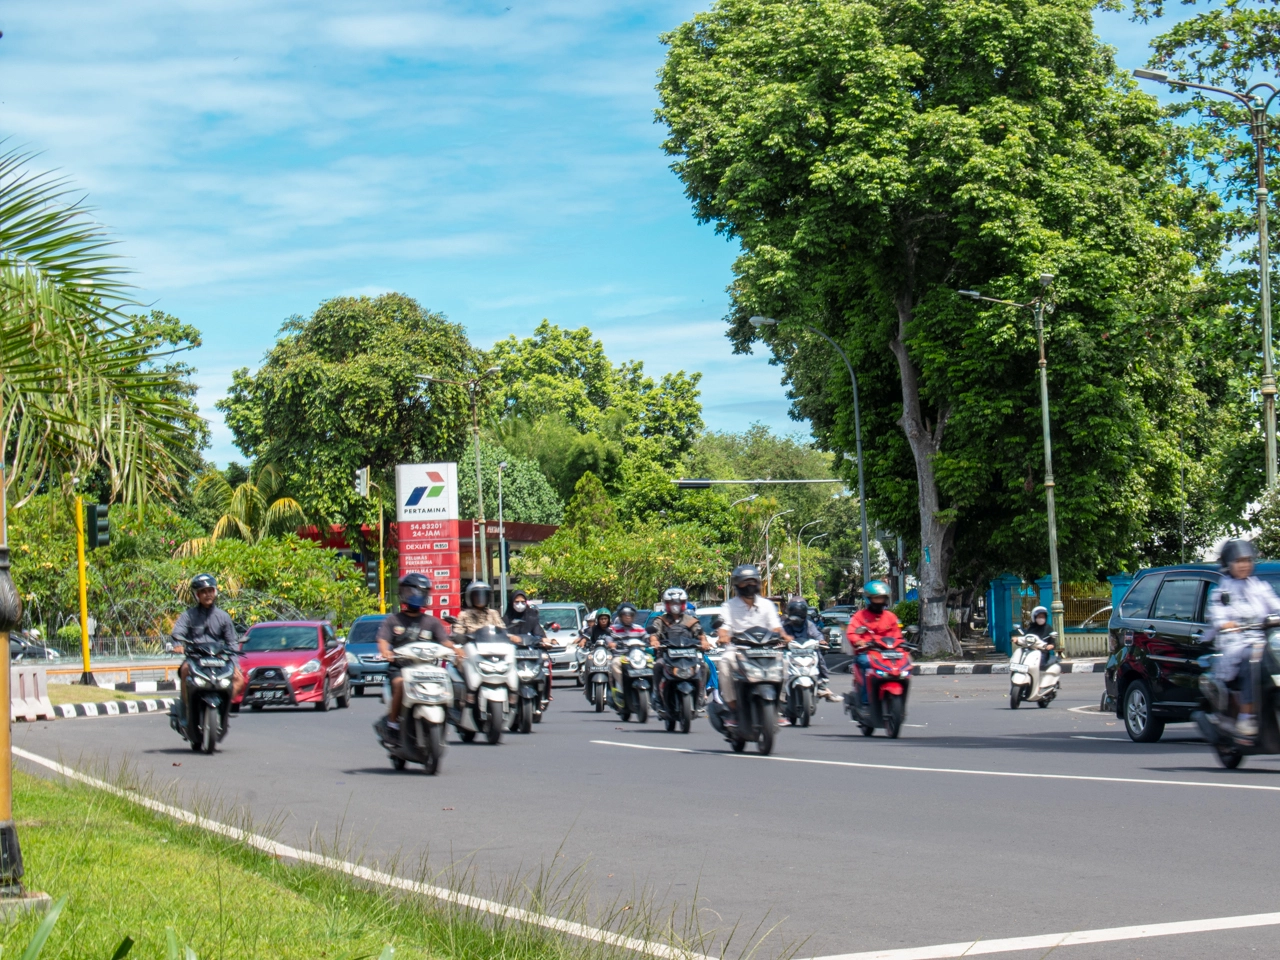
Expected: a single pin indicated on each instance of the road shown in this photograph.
(973, 826)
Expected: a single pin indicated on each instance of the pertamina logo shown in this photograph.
(418, 493)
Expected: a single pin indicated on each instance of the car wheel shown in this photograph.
(1141, 726)
(358, 691)
(325, 697)
(344, 698)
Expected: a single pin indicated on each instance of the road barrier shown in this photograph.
(29, 694)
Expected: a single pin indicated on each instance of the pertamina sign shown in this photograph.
(427, 519)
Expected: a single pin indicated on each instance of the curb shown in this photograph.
(142, 686)
(115, 708)
(958, 669)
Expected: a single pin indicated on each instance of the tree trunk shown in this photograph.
(936, 538)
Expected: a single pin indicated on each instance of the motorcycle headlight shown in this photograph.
(684, 673)
(488, 666)
(425, 689)
(224, 682)
(637, 659)
(200, 680)
(600, 657)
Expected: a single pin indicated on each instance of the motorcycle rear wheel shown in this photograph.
(398, 763)
(895, 711)
(867, 729)
(209, 730)
(467, 736)
(686, 712)
(768, 727)
(1042, 704)
(1229, 757)
(493, 724)
(739, 746)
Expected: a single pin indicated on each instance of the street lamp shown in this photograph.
(799, 578)
(768, 574)
(1253, 101)
(1039, 307)
(758, 322)
(473, 386)
(502, 539)
(744, 500)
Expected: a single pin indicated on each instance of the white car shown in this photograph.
(563, 623)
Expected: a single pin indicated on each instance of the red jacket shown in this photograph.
(879, 626)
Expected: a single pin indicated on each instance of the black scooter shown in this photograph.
(1261, 670)
(531, 674)
(203, 721)
(758, 674)
(679, 675)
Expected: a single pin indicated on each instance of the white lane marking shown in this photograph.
(1080, 736)
(1094, 710)
(1052, 940)
(954, 770)
(920, 725)
(368, 875)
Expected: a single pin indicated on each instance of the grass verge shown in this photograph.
(75, 693)
(129, 872)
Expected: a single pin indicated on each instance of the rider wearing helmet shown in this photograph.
(600, 623)
(205, 623)
(1238, 601)
(522, 620)
(411, 624)
(1039, 627)
(476, 612)
(624, 631)
(746, 610)
(875, 621)
(675, 603)
(801, 627)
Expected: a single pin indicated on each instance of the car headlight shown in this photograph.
(311, 666)
(352, 659)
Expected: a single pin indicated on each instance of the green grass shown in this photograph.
(128, 872)
(74, 693)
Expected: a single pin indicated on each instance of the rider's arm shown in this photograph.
(383, 638)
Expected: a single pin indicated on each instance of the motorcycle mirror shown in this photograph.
(913, 629)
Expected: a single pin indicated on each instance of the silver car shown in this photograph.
(564, 623)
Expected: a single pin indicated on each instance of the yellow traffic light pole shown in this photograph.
(86, 678)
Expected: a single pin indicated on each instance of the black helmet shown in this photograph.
(417, 581)
(203, 581)
(478, 593)
(414, 589)
(625, 608)
(798, 610)
(1234, 550)
(747, 571)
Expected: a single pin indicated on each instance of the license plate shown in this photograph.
(893, 656)
(209, 662)
(268, 694)
(676, 652)
(771, 654)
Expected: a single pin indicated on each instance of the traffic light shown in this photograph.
(97, 526)
(371, 575)
(362, 482)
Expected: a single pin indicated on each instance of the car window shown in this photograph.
(567, 617)
(275, 639)
(1179, 599)
(1138, 600)
(330, 640)
(364, 631)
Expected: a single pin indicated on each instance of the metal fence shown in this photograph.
(1082, 602)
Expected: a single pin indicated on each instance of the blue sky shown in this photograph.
(498, 162)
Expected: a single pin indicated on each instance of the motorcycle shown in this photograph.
(758, 675)
(1262, 671)
(631, 679)
(679, 675)
(531, 673)
(1027, 682)
(203, 720)
(428, 694)
(802, 680)
(489, 685)
(883, 685)
(595, 669)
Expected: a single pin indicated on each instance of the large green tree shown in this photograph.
(871, 159)
(343, 389)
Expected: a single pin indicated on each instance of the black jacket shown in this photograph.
(207, 626)
(526, 623)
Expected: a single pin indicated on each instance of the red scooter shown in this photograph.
(887, 678)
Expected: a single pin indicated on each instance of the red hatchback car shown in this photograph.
(287, 663)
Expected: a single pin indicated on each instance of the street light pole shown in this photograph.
(1039, 307)
(1257, 105)
(502, 539)
(768, 567)
(799, 576)
(758, 322)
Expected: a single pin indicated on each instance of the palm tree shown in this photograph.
(78, 385)
(250, 511)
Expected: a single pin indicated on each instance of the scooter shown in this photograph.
(1262, 670)
(879, 699)
(595, 671)
(679, 675)
(427, 697)
(802, 681)
(490, 684)
(632, 677)
(203, 720)
(1027, 682)
(531, 673)
(758, 674)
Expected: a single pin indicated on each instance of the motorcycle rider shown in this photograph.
(801, 627)
(205, 622)
(1239, 598)
(476, 612)
(623, 628)
(522, 618)
(675, 603)
(1039, 627)
(410, 625)
(745, 610)
(600, 624)
(875, 621)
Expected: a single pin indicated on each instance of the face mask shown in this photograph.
(519, 606)
(748, 590)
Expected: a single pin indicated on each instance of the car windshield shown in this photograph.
(364, 631)
(273, 639)
(566, 617)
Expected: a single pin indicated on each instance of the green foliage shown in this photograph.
(590, 509)
(1266, 519)
(603, 567)
(527, 497)
(342, 390)
(255, 508)
(907, 612)
(871, 159)
(562, 452)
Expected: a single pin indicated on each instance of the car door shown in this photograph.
(334, 658)
(1175, 628)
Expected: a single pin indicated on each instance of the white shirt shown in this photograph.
(1243, 601)
(739, 616)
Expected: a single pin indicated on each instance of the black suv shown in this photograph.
(1157, 637)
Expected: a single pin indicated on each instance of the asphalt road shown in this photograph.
(970, 827)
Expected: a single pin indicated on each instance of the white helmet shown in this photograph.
(675, 597)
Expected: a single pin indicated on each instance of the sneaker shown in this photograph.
(393, 725)
(784, 722)
(1246, 726)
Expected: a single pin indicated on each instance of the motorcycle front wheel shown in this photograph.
(493, 724)
(768, 727)
(686, 712)
(1229, 757)
(524, 722)
(895, 711)
(642, 708)
(806, 707)
(1015, 696)
(209, 729)
(433, 747)
(597, 697)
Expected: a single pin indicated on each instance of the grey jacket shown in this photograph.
(209, 626)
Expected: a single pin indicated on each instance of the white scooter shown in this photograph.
(427, 696)
(488, 668)
(1027, 682)
(801, 689)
